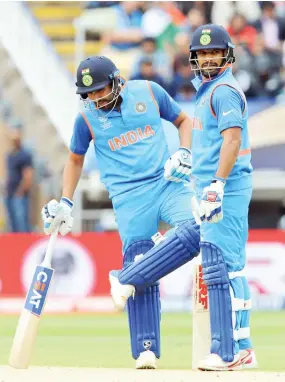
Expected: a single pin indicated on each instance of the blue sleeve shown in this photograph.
(81, 136)
(228, 106)
(27, 160)
(168, 108)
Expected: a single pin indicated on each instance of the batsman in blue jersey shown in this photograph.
(222, 178)
(145, 183)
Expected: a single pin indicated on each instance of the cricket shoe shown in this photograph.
(119, 292)
(146, 360)
(248, 359)
(213, 362)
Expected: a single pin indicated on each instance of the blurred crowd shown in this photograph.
(155, 38)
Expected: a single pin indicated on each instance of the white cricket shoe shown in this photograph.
(119, 292)
(146, 360)
(248, 359)
(213, 362)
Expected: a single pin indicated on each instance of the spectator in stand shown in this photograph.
(185, 92)
(147, 72)
(259, 72)
(19, 169)
(127, 34)
(223, 11)
(267, 63)
(241, 32)
(183, 74)
(122, 42)
(161, 60)
(272, 27)
(205, 7)
(162, 21)
(195, 19)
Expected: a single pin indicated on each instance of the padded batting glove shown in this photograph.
(178, 167)
(56, 214)
(211, 202)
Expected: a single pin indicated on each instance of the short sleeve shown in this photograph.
(227, 105)
(168, 108)
(27, 160)
(81, 136)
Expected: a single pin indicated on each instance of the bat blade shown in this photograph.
(28, 324)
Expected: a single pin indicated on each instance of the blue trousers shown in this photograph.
(18, 213)
(139, 211)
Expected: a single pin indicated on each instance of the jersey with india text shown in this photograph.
(220, 105)
(130, 145)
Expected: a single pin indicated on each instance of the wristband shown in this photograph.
(67, 201)
(217, 178)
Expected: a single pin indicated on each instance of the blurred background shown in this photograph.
(40, 48)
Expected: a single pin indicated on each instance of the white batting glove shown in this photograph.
(178, 167)
(56, 214)
(211, 202)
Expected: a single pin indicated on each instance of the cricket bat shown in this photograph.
(201, 339)
(31, 314)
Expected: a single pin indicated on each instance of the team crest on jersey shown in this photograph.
(140, 107)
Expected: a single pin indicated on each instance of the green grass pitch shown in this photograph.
(102, 340)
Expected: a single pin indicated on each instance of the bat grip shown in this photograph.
(51, 243)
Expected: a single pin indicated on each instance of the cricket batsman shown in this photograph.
(222, 178)
(145, 183)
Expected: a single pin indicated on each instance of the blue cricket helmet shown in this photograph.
(212, 36)
(95, 73)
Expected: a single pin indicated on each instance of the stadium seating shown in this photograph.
(57, 22)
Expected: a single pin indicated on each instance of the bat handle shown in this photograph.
(51, 243)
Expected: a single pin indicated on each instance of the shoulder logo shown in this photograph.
(140, 107)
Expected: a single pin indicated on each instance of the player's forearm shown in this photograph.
(228, 156)
(185, 133)
(71, 176)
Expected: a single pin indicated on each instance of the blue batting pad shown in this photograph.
(177, 248)
(143, 309)
(216, 277)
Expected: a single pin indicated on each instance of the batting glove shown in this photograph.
(56, 215)
(178, 167)
(211, 202)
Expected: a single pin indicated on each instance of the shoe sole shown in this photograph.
(235, 368)
(250, 365)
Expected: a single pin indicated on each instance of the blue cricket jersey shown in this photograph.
(220, 105)
(130, 144)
